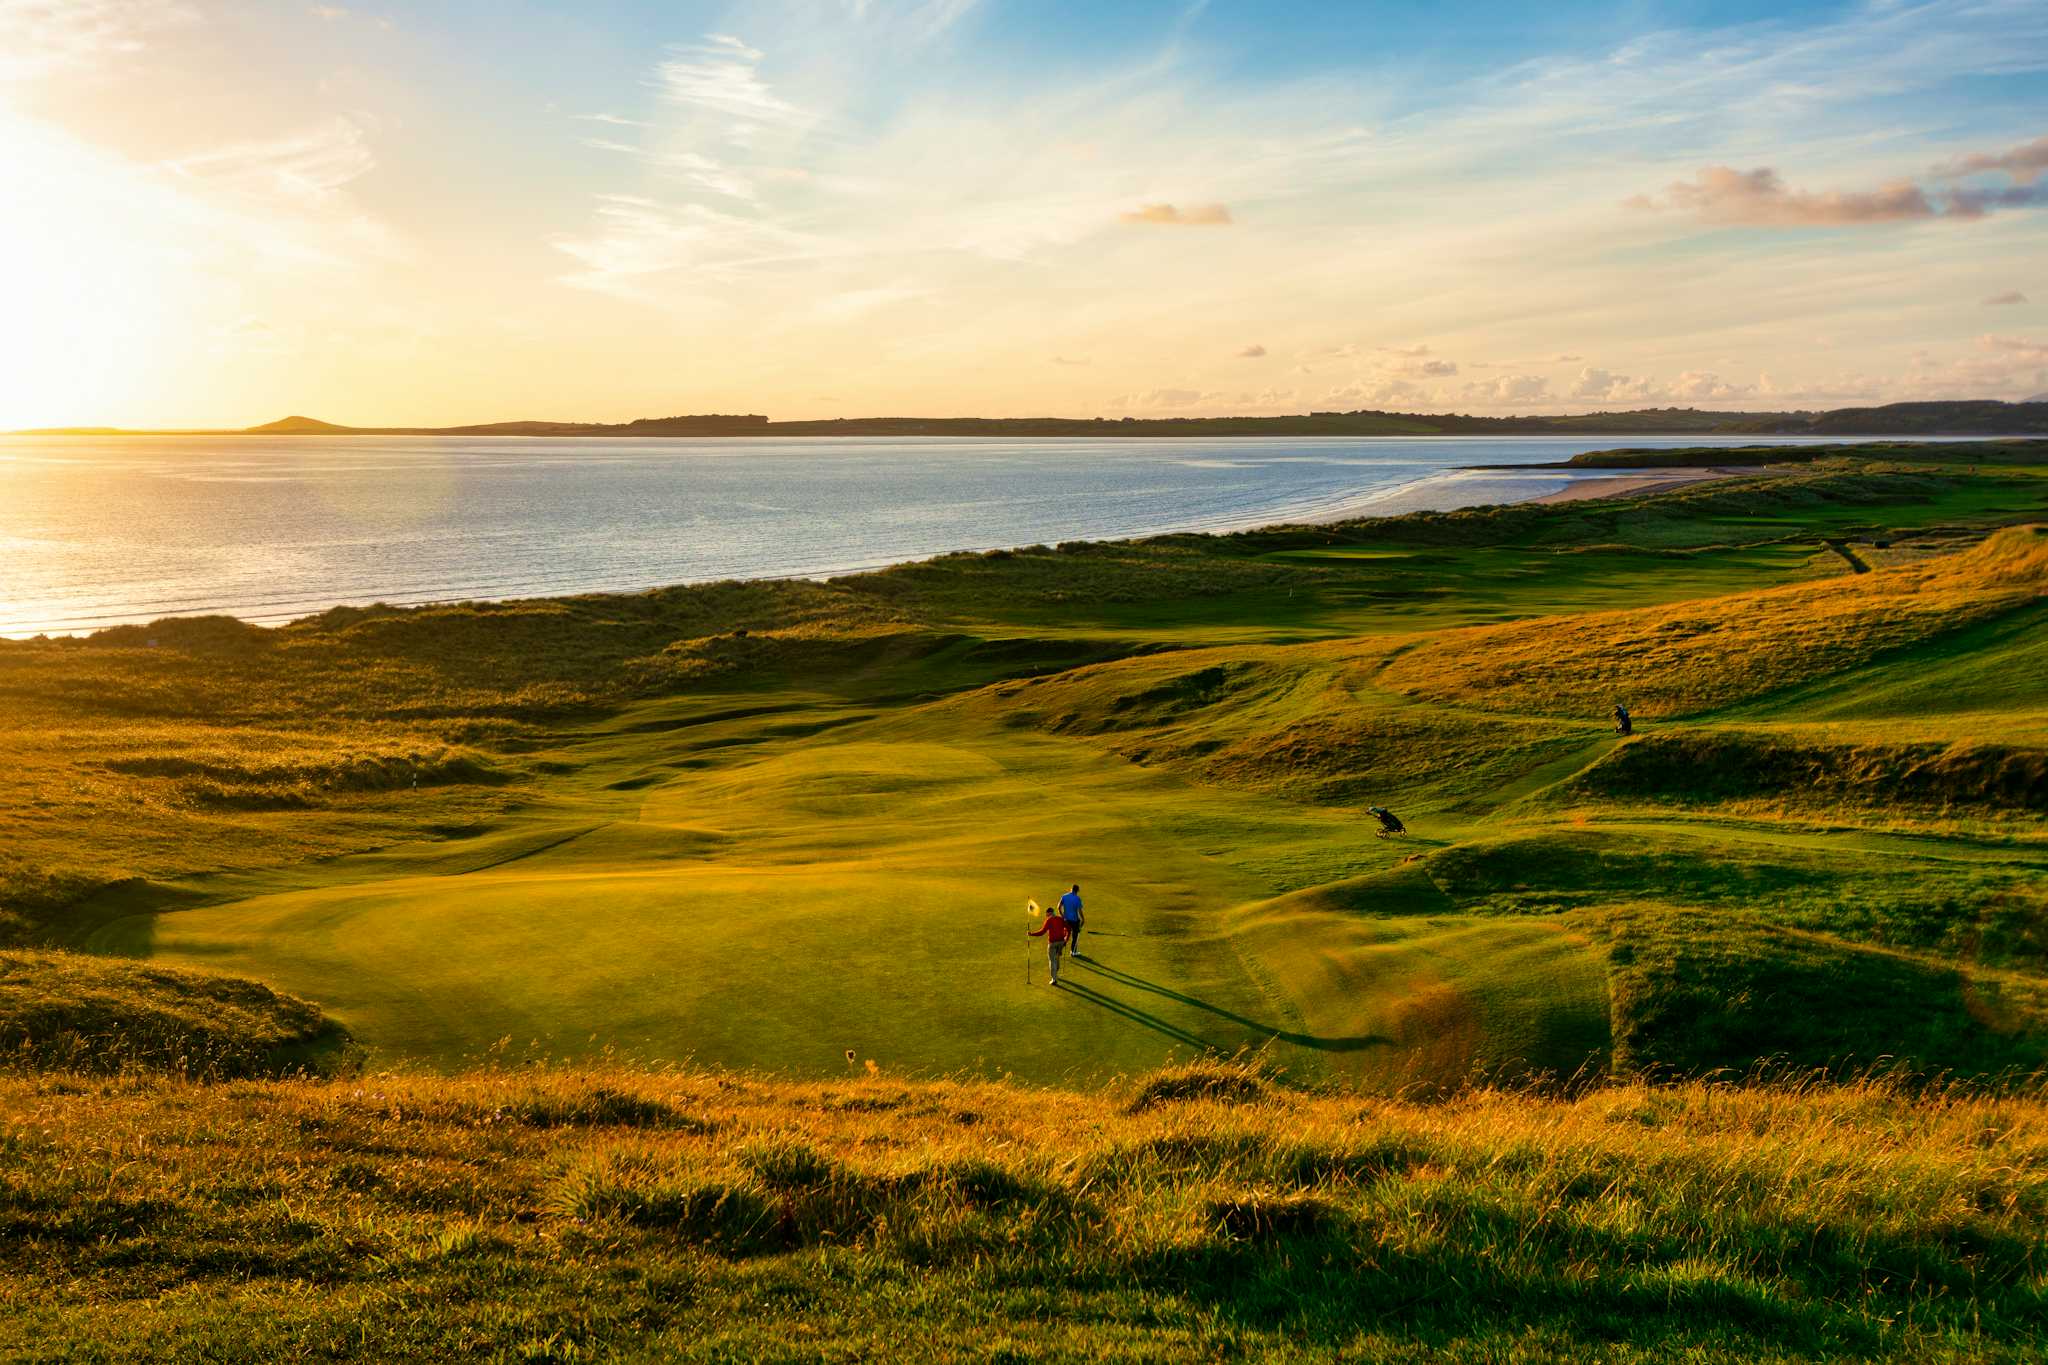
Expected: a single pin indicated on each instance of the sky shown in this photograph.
(219, 212)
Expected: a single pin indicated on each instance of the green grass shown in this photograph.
(758, 825)
(605, 1214)
(752, 860)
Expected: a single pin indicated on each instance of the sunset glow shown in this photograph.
(221, 211)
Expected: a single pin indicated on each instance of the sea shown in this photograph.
(100, 531)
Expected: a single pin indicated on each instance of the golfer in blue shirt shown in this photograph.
(1070, 911)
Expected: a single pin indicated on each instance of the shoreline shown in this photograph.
(1629, 483)
(1616, 485)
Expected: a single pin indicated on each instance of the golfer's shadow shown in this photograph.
(1117, 1007)
(1351, 1043)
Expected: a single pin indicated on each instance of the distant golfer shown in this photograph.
(1623, 725)
(1055, 931)
(1070, 911)
(1390, 823)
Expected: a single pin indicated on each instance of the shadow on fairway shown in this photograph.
(1353, 1043)
(1138, 1016)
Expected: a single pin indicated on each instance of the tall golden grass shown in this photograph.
(569, 1215)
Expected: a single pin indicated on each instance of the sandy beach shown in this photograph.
(1646, 481)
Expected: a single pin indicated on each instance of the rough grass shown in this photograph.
(60, 1012)
(1695, 991)
(1719, 767)
(1700, 656)
(393, 1217)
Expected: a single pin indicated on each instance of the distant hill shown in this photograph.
(1985, 418)
(1958, 418)
(298, 426)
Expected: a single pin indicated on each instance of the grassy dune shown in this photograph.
(63, 1012)
(1205, 1213)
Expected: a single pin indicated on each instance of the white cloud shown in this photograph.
(288, 198)
(636, 239)
(1375, 393)
(309, 166)
(39, 37)
(721, 78)
(1692, 386)
(1509, 388)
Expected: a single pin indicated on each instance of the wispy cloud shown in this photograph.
(2024, 163)
(636, 240)
(307, 167)
(934, 17)
(291, 199)
(720, 77)
(814, 178)
(2004, 299)
(39, 37)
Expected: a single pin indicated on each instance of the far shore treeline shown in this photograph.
(1981, 418)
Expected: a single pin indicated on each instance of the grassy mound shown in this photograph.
(657, 1215)
(62, 1012)
(1703, 655)
(1696, 992)
(1712, 767)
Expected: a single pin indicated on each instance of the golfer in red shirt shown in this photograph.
(1055, 931)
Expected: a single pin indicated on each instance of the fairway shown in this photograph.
(804, 844)
(859, 890)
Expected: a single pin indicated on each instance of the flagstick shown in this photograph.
(1030, 948)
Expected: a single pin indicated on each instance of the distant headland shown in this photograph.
(1953, 418)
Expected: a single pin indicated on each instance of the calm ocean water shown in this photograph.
(100, 531)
